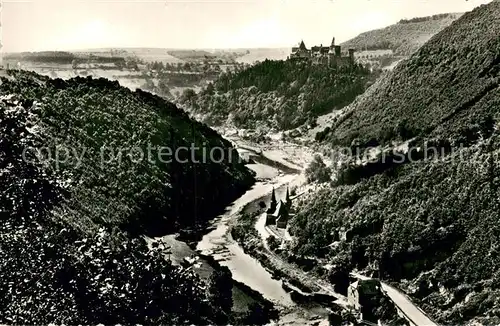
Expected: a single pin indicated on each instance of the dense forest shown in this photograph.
(72, 220)
(428, 220)
(279, 94)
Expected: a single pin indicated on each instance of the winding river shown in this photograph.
(219, 245)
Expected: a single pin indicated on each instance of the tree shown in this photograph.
(210, 89)
(288, 200)
(148, 85)
(163, 89)
(220, 293)
(318, 171)
(120, 64)
(188, 96)
(273, 243)
(255, 315)
(358, 251)
(339, 277)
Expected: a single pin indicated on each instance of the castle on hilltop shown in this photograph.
(330, 55)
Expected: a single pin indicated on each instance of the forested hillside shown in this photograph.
(279, 94)
(402, 38)
(426, 216)
(71, 219)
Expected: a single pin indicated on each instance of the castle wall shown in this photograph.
(334, 61)
(338, 50)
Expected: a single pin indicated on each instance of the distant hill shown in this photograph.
(425, 212)
(402, 38)
(88, 167)
(442, 79)
(261, 54)
(102, 55)
(152, 54)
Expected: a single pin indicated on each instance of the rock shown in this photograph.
(294, 133)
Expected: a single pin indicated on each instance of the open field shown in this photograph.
(263, 54)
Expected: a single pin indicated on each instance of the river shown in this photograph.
(219, 245)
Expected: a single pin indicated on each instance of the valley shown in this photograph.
(356, 190)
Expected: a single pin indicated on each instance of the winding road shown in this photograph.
(406, 308)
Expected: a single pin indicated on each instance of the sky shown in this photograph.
(37, 25)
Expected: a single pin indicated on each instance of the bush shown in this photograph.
(317, 171)
(339, 277)
(273, 243)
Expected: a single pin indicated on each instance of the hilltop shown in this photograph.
(424, 214)
(278, 94)
(77, 196)
(433, 92)
(404, 37)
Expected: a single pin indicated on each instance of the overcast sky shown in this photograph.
(69, 24)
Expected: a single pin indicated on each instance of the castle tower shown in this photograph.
(338, 50)
(332, 45)
(273, 204)
(302, 46)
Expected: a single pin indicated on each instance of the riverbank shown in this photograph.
(313, 301)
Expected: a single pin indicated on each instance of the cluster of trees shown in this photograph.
(161, 87)
(62, 57)
(171, 66)
(283, 94)
(221, 57)
(424, 19)
(317, 171)
(206, 67)
(187, 74)
(59, 57)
